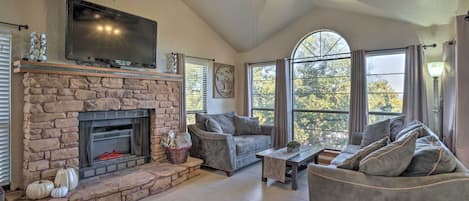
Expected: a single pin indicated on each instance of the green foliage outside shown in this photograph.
(321, 92)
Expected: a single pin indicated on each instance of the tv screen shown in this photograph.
(99, 34)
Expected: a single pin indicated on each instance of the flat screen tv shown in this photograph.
(107, 36)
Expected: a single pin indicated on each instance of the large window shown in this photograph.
(263, 92)
(196, 88)
(385, 82)
(321, 89)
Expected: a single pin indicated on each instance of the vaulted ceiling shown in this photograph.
(247, 23)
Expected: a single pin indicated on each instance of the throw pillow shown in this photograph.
(417, 127)
(391, 160)
(247, 125)
(213, 126)
(226, 121)
(375, 132)
(430, 157)
(353, 162)
(396, 124)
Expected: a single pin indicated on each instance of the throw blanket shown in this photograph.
(276, 163)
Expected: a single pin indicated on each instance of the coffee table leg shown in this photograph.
(263, 178)
(294, 174)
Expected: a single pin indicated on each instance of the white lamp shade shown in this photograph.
(436, 68)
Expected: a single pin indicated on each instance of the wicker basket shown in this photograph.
(178, 155)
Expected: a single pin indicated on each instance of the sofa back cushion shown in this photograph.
(375, 132)
(247, 125)
(226, 121)
(391, 160)
(396, 124)
(212, 126)
(430, 157)
(353, 161)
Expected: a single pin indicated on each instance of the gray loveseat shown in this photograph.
(227, 151)
(328, 183)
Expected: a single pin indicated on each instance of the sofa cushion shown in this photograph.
(247, 125)
(430, 157)
(352, 162)
(396, 124)
(212, 126)
(391, 160)
(375, 132)
(348, 151)
(226, 121)
(251, 143)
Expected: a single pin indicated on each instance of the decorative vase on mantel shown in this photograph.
(38, 47)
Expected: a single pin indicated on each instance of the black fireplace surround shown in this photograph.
(125, 134)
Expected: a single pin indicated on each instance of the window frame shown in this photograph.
(204, 89)
(382, 53)
(251, 89)
(310, 60)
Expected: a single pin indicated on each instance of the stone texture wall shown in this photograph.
(52, 103)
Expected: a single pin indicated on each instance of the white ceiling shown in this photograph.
(247, 23)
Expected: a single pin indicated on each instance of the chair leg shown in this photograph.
(229, 173)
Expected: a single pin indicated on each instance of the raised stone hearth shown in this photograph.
(134, 184)
(52, 103)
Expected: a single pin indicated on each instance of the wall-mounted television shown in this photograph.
(107, 36)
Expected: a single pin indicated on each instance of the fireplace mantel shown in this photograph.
(70, 69)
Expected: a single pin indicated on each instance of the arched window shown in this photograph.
(321, 89)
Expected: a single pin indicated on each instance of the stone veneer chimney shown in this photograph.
(52, 103)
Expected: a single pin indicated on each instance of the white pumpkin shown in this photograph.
(59, 192)
(39, 189)
(66, 177)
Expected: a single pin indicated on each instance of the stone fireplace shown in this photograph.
(58, 107)
(113, 140)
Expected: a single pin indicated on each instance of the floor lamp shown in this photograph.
(436, 70)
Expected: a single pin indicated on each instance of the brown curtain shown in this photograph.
(283, 104)
(180, 65)
(247, 90)
(461, 137)
(415, 96)
(358, 118)
(448, 90)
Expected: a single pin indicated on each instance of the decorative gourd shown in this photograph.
(59, 192)
(66, 177)
(39, 189)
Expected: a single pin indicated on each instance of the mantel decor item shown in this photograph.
(177, 146)
(223, 80)
(172, 63)
(293, 146)
(38, 47)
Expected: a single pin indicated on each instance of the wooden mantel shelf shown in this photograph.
(70, 69)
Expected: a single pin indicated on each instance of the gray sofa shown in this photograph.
(227, 151)
(328, 183)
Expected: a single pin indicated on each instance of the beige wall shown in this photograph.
(179, 30)
(361, 31)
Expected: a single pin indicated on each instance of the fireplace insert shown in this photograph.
(113, 140)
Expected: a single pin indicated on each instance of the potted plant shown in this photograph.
(293, 146)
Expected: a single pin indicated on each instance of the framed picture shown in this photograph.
(223, 80)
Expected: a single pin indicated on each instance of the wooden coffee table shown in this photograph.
(301, 160)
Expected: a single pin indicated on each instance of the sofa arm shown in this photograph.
(216, 149)
(327, 183)
(356, 138)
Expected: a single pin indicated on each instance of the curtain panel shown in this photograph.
(448, 91)
(247, 89)
(415, 96)
(358, 118)
(181, 66)
(461, 137)
(283, 104)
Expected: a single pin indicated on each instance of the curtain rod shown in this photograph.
(261, 62)
(203, 58)
(20, 26)
(402, 48)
